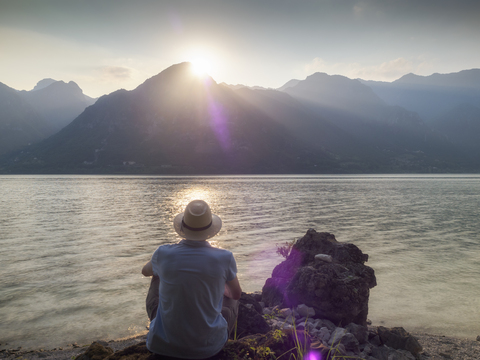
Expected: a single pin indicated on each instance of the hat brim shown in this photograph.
(197, 235)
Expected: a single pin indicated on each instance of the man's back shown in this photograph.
(192, 276)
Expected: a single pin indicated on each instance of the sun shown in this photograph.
(201, 67)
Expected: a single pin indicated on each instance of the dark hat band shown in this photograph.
(195, 229)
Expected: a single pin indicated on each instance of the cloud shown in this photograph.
(386, 71)
(116, 73)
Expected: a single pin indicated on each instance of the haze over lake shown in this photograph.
(73, 246)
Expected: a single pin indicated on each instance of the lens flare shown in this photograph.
(313, 355)
(201, 67)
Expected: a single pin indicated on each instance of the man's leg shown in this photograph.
(153, 297)
(230, 312)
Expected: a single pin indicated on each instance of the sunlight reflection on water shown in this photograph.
(73, 246)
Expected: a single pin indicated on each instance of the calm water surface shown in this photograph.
(72, 247)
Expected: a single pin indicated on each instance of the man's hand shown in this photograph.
(147, 269)
(233, 289)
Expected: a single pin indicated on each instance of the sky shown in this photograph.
(106, 45)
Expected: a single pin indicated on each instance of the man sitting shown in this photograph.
(193, 297)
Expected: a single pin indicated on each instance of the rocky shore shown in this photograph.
(314, 307)
(435, 347)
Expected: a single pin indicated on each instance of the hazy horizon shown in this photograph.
(112, 44)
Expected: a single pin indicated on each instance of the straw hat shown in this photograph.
(197, 222)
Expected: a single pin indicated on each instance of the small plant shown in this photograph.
(300, 346)
(263, 352)
(235, 332)
(286, 249)
(269, 316)
(272, 315)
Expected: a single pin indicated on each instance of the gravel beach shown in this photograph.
(435, 347)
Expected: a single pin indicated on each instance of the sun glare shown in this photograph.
(201, 67)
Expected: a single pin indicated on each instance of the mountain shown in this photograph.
(355, 108)
(20, 123)
(174, 122)
(43, 84)
(179, 123)
(241, 86)
(314, 131)
(290, 83)
(430, 96)
(58, 102)
(27, 117)
(336, 94)
(461, 126)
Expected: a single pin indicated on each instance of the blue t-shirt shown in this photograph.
(189, 323)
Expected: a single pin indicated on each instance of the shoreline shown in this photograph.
(435, 347)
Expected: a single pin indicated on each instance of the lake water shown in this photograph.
(72, 247)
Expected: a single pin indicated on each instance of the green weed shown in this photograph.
(286, 249)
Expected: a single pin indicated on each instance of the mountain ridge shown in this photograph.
(178, 123)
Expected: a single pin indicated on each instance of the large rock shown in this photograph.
(337, 285)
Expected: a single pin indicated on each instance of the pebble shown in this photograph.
(478, 338)
(336, 335)
(323, 257)
(285, 312)
(305, 311)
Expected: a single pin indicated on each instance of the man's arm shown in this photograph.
(234, 289)
(147, 269)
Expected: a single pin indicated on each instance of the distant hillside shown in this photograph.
(174, 122)
(20, 123)
(27, 117)
(355, 108)
(58, 102)
(430, 96)
(177, 123)
(461, 126)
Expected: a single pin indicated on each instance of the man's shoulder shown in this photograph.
(165, 247)
(224, 254)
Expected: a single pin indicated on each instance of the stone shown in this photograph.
(267, 311)
(251, 300)
(323, 257)
(365, 350)
(250, 322)
(380, 352)
(360, 332)
(95, 351)
(285, 312)
(350, 342)
(375, 341)
(134, 352)
(336, 335)
(337, 290)
(403, 355)
(327, 323)
(305, 311)
(478, 338)
(257, 295)
(301, 320)
(290, 319)
(324, 334)
(398, 338)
